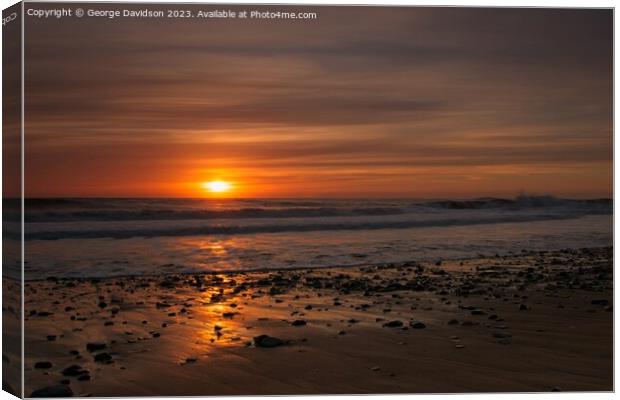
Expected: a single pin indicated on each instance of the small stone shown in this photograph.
(299, 322)
(53, 391)
(74, 370)
(44, 313)
(267, 341)
(417, 325)
(43, 365)
(103, 358)
(393, 324)
(95, 346)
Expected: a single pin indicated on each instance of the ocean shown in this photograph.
(117, 237)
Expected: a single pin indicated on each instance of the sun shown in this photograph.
(217, 186)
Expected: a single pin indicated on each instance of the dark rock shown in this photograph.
(44, 314)
(393, 324)
(299, 322)
(417, 325)
(95, 346)
(74, 370)
(43, 365)
(267, 341)
(103, 358)
(53, 391)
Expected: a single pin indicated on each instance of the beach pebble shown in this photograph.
(95, 346)
(267, 341)
(417, 325)
(44, 313)
(393, 324)
(43, 365)
(103, 358)
(74, 370)
(53, 391)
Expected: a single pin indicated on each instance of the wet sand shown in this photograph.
(531, 322)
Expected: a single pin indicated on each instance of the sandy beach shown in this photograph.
(538, 321)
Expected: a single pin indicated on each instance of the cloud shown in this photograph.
(381, 90)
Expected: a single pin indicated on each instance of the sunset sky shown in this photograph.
(361, 102)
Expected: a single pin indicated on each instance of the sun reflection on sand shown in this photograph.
(221, 321)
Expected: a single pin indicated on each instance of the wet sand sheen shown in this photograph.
(533, 322)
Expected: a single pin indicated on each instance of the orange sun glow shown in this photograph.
(217, 186)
